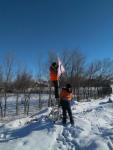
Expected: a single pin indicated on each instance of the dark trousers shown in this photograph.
(56, 88)
(66, 108)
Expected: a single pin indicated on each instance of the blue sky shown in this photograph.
(30, 28)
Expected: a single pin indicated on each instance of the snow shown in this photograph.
(93, 129)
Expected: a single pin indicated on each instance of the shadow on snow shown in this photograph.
(39, 125)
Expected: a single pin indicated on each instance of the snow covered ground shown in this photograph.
(93, 130)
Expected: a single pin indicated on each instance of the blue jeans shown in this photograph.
(66, 108)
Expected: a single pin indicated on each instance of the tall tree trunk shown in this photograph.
(5, 105)
(1, 110)
(17, 104)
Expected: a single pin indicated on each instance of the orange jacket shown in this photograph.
(65, 95)
(53, 75)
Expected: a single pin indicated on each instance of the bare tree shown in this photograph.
(41, 73)
(91, 74)
(75, 68)
(8, 76)
(1, 91)
(107, 69)
(23, 83)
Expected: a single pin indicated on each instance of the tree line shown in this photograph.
(89, 80)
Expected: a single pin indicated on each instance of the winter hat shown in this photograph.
(68, 86)
(54, 64)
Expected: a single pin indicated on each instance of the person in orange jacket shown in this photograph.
(54, 78)
(65, 100)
